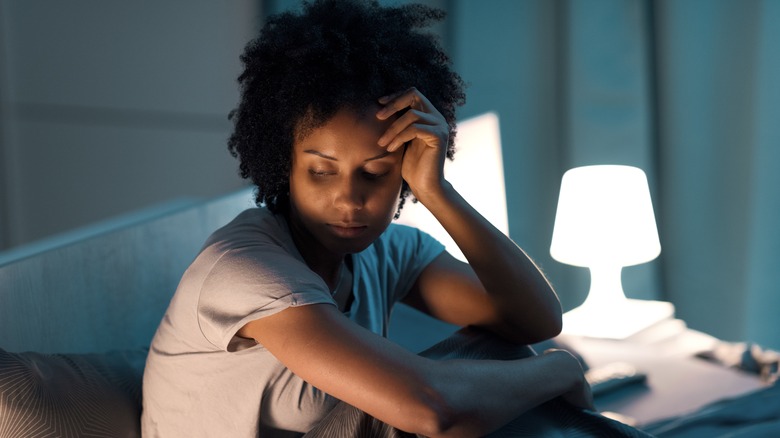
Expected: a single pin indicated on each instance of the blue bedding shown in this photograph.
(753, 415)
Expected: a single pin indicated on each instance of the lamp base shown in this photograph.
(619, 321)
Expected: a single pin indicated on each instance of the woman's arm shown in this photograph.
(500, 288)
(412, 393)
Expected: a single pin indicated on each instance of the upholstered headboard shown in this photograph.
(108, 287)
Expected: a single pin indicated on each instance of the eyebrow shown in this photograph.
(328, 157)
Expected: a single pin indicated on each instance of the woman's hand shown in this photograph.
(500, 288)
(579, 394)
(424, 131)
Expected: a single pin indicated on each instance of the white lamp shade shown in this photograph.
(605, 218)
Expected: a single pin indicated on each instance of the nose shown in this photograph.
(349, 195)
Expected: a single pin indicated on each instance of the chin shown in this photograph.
(351, 247)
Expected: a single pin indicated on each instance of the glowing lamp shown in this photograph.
(604, 222)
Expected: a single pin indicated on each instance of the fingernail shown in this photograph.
(384, 99)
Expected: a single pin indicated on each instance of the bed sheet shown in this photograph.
(756, 414)
(685, 395)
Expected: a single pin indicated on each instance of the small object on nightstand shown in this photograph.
(614, 375)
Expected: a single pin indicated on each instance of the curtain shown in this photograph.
(718, 68)
(689, 91)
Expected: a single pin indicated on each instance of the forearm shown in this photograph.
(413, 393)
(526, 303)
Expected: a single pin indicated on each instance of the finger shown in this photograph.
(403, 94)
(384, 99)
(426, 133)
(409, 118)
(410, 98)
(581, 397)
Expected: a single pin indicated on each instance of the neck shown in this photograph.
(324, 263)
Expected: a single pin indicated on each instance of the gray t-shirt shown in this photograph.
(203, 380)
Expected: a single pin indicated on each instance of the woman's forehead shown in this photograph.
(347, 130)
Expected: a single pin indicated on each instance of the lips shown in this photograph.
(348, 231)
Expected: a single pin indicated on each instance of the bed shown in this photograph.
(77, 313)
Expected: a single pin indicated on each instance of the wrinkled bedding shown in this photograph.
(753, 415)
(756, 414)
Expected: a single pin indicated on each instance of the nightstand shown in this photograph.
(677, 382)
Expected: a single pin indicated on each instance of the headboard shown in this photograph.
(75, 294)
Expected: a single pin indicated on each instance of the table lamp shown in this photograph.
(604, 222)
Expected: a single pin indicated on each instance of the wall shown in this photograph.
(109, 106)
(504, 53)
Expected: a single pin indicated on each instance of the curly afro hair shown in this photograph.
(303, 68)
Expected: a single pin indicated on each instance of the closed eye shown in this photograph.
(372, 176)
(320, 172)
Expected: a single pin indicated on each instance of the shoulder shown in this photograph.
(250, 269)
(254, 224)
(254, 249)
(254, 232)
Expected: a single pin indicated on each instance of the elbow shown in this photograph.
(433, 414)
(436, 425)
(445, 422)
(525, 334)
(555, 325)
(432, 417)
(444, 405)
(550, 326)
(554, 321)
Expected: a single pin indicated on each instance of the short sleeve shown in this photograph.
(398, 257)
(251, 283)
(413, 250)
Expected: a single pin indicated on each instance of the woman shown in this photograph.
(346, 109)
